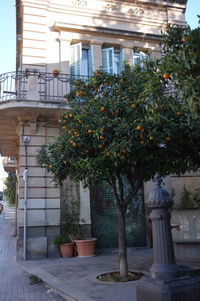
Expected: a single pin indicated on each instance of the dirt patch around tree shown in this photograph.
(115, 277)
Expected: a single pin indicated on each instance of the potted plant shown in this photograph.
(56, 72)
(66, 246)
(85, 247)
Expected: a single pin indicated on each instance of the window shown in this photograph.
(81, 59)
(112, 60)
(138, 57)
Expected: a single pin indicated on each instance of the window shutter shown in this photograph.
(76, 57)
(136, 58)
(108, 60)
(121, 60)
(91, 60)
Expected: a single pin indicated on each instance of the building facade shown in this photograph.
(58, 39)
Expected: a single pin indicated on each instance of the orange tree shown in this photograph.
(126, 127)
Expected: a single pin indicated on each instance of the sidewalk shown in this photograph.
(75, 278)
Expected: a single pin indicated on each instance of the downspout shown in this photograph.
(26, 140)
(25, 178)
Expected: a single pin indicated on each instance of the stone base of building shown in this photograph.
(185, 288)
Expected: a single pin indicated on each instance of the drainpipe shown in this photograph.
(25, 178)
(26, 140)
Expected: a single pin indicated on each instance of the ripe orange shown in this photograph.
(100, 146)
(102, 109)
(90, 131)
(151, 138)
(71, 115)
(166, 76)
(138, 128)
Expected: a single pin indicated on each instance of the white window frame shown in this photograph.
(138, 57)
(109, 56)
(76, 59)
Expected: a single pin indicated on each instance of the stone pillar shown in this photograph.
(128, 55)
(96, 48)
(65, 55)
(43, 198)
(164, 265)
(32, 87)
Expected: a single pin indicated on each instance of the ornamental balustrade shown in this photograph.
(43, 86)
(37, 86)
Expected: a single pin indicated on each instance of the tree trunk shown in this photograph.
(123, 263)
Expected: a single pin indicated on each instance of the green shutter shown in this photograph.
(105, 219)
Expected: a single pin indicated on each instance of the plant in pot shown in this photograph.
(56, 72)
(66, 247)
(83, 246)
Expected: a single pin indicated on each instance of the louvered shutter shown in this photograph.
(108, 60)
(76, 57)
(121, 60)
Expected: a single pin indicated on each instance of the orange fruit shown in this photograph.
(167, 139)
(138, 128)
(102, 109)
(166, 76)
(71, 115)
(142, 142)
(90, 131)
(151, 138)
(100, 146)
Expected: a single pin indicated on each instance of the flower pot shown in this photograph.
(67, 250)
(56, 73)
(85, 247)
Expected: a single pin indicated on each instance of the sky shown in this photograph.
(8, 39)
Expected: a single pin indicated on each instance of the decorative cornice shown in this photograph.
(105, 31)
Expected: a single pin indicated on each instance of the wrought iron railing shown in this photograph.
(41, 86)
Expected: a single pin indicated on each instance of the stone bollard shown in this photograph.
(168, 281)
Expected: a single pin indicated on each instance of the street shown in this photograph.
(15, 283)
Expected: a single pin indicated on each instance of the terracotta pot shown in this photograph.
(67, 250)
(85, 247)
(56, 73)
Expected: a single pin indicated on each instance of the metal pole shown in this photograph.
(25, 178)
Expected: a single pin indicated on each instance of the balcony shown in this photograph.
(32, 85)
(30, 96)
(9, 164)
